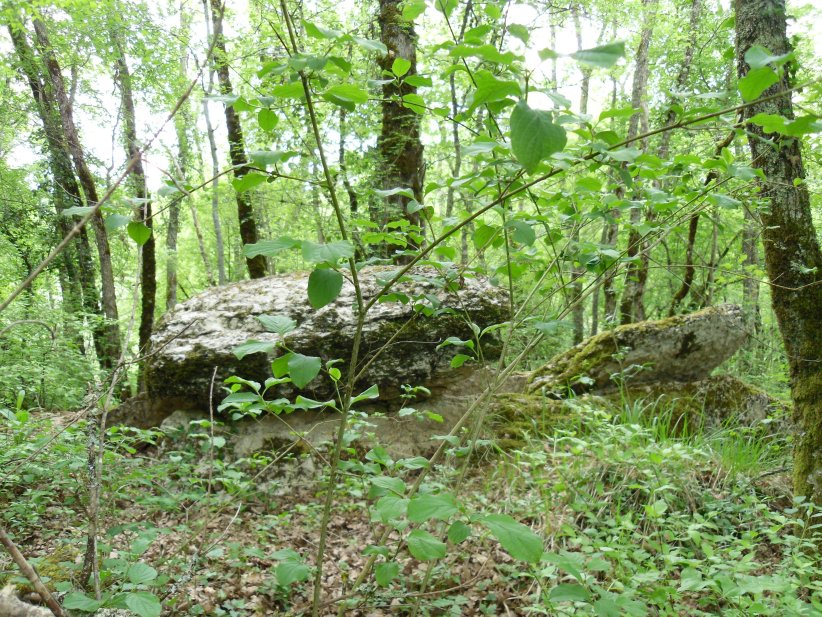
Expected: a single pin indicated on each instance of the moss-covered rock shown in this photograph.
(513, 417)
(683, 348)
(720, 400)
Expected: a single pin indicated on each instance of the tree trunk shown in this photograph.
(80, 269)
(792, 254)
(750, 265)
(399, 145)
(111, 353)
(236, 145)
(148, 270)
(631, 307)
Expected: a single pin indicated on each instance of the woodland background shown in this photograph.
(606, 162)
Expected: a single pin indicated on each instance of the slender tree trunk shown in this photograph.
(631, 306)
(399, 145)
(148, 270)
(222, 279)
(215, 198)
(750, 264)
(792, 254)
(236, 145)
(577, 272)
(111, 351)
(112, 328)
(77, 262)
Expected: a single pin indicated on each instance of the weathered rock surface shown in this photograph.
(684, 348)
(201, 333)
(402, 434)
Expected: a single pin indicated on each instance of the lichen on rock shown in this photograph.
(422, 312)
(677, 349)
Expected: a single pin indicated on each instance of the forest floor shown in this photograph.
(633, 522)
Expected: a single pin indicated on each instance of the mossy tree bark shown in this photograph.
(632, 307)
(792, 254)
(257, 267)
(77, 260)
(399, 145)
(111, 352)
(148, 266)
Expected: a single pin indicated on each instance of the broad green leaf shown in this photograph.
(570, 592)
(77, 211)
(603, 56)
(140, 573)
(491, 89)
(293, 90)
(291, 571)
(724, 201)
(77, 601)
(520, 31)
(774, 123)
(279, 324)
(384, 573)
(569, 562)
(302, 402)
(425, 547)
(446, 6)
(370, 45)
(460, 359)
(411, 9)
(405, 192)
(144, 603)
(390, 508)
(758, 57)
(346, 95)
(400, 67)
(371, 393)
(484, 234)
(247, 182)
(534, 137)
(382, 485)
(318, 32)
(327, 253)
(547, 54)
(458, 532)
(414, 102)
(523, 232)
(419, 81)
(115, 221)
(426, 507)
(303, 369)
(625, 155)
(517, 539)
(264, 158)
(323, 287)
(267, 119)
(270, 248)
(489, 53)
(138, 232)
(250, 347)
(756, 82)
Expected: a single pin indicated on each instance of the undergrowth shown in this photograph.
(636, 519)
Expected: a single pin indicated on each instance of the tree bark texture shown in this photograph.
(66, 192)
(148, 268)
(399, 145)
(257, 267)
(111, 353)
(793, 258)
(631, 307)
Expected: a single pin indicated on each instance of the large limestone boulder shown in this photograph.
(424, 311)
(684, 348)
